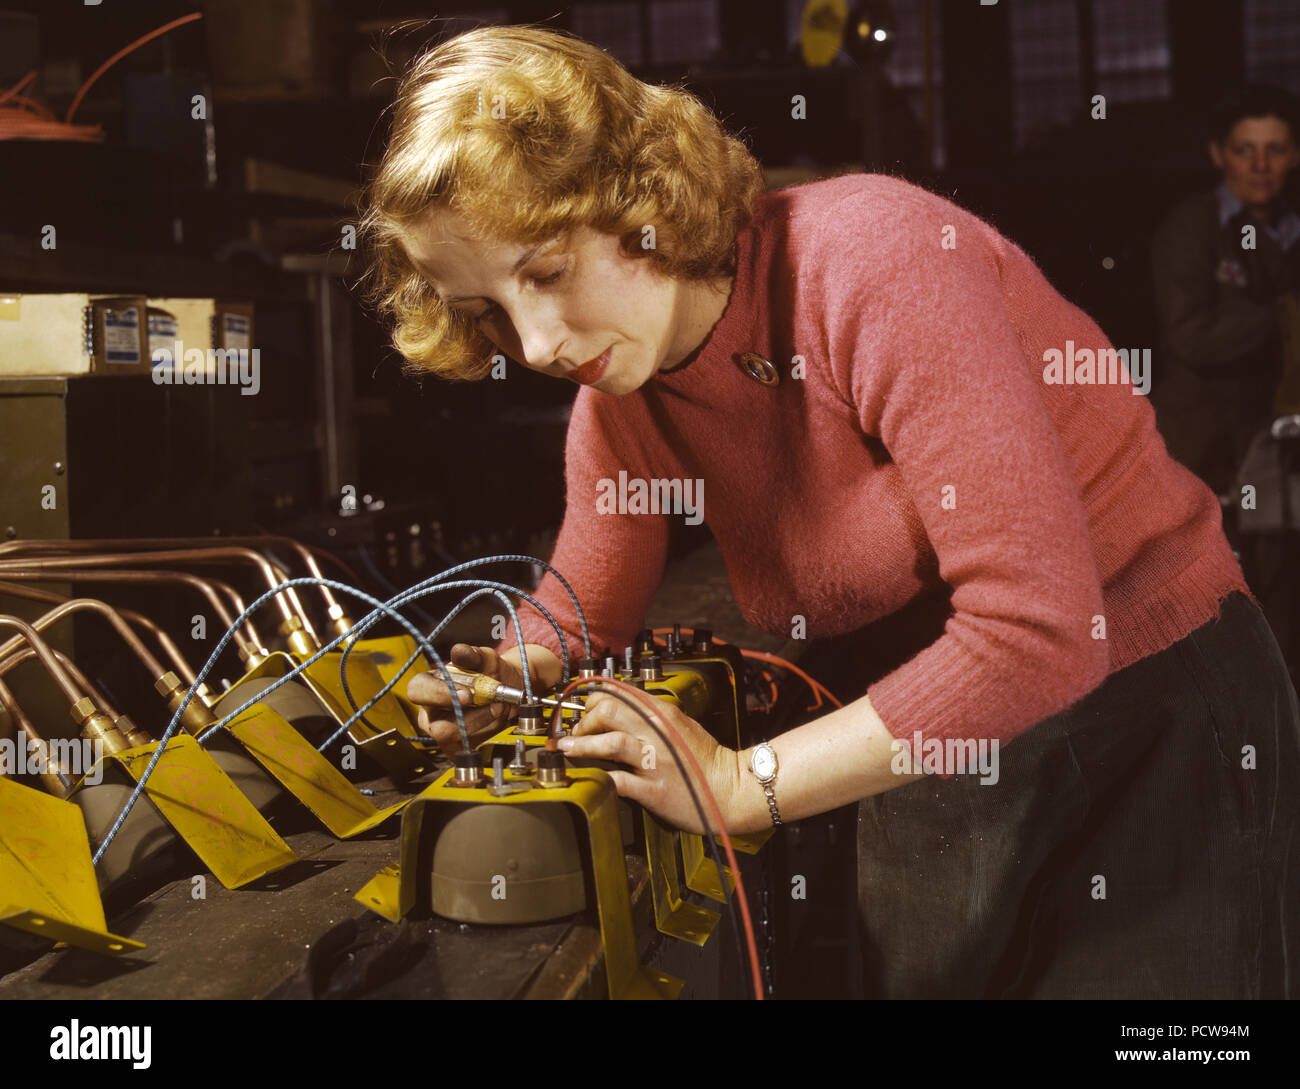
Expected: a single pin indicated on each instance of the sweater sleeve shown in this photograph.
(614, 562)
(922, 346)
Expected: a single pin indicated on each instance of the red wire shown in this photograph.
(19, 85)
(23, 118)
(702, 783)
(76, 100)
(817, 687)
(763, 656)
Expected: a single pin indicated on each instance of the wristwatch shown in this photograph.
(762, 762)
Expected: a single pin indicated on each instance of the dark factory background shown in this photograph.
(988, 105)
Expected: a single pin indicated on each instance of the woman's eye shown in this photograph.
(492, 308)
(553, 276)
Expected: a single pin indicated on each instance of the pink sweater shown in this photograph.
(922, 446)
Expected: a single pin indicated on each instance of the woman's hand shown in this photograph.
(611, 730)
(436, 717)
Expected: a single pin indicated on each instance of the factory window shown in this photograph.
(684, 31)
(1129, 41)
(1272, 41)
(615, 27)
(1132, 44)
(1044, 65)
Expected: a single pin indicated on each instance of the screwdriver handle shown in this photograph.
(483, 689)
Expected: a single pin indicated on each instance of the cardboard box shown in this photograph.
(71, 334)
(177, 325)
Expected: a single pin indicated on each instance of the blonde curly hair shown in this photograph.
(527, 133)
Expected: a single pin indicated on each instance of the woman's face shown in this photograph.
(574, 307)
(1255, 159)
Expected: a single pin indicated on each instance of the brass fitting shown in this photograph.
(253, 656)
(55, 778)
(340, 622)
(97, 727)
(197, 716)
(296, 636)
(133, 734)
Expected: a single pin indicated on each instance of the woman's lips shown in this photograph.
(590, 373)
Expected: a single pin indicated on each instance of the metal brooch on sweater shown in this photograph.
(759, 369)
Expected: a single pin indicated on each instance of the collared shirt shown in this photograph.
(1285, 232)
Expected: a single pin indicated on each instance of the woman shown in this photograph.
(879, 400)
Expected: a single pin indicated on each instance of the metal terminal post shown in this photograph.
(551, 769)
(519, 765)
(500, 788)
(469, 770)
(532, 720)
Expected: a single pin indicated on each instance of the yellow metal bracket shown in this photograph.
(388, 654)
(702, 872)
(294, 762)
(389, 744)
(198, 800)
(673, 915)
(47, 879)
(392, 893)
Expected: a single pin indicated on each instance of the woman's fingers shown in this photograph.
(430, 688)
(605, 712)
(480, 723)
(476, 659)
(611, 745)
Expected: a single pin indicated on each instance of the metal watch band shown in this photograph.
(771, 803)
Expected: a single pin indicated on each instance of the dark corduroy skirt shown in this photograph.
(1144, 843)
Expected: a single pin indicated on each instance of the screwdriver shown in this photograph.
(484, 690)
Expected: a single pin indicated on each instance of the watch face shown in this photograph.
(764, 762)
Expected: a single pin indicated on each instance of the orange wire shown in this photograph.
(19, 85)
(817, 687)
(763, 656)
(653, 704)
(24, 118)
(76, 101)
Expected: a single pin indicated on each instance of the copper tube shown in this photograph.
(46, 654)
(74, 671)
(173, 652)
(287, 600)
(94, 725)
(78, 604)
(126, 544)
(56, 779)
(245, 644)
